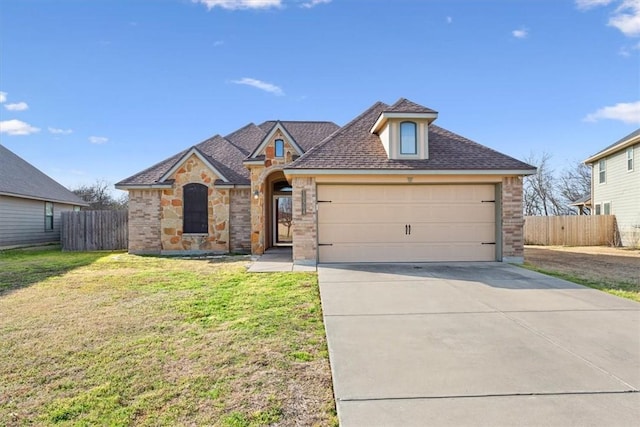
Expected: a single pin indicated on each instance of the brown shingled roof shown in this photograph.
(305, 134)
(245, 138)
(227, 154)
(355, 147)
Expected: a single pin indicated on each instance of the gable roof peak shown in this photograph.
(403, 105)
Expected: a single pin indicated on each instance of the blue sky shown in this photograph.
(103, 89)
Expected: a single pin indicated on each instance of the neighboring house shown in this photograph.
(388, 186)
(30, 203)
(615, 185)
(583, 204)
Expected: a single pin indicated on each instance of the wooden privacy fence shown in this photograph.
(94, 230)
(573, 230)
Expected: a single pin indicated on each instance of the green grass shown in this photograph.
(619, 288)
(115, 339)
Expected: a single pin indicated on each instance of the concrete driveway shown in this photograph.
(477, 344)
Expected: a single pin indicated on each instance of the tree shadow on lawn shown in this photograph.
(22, 268)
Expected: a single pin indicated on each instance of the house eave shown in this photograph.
(44, 199)
(612, 150)
(502, 172)
(232, 186)
(126, 187)
(385, 116)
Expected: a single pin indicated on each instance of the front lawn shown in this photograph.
(116, 339)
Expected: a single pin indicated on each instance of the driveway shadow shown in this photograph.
(493, 274)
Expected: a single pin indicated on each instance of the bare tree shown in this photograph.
(540, 192)
(575, 182)
(99, 196)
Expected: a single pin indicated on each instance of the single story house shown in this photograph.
(30, 203)
(388, 186)
(615, 185)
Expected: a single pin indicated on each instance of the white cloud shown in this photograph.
(588, 4)
(627, 112)
(626, 18)
(17, 127)
(240, 4)
(267, 87)
(98, 140)
(18, 106)
(314, 3)
(521, 33)
(449, 20)
(57, 131)
(3, 96)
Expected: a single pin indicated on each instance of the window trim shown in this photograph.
(416, 151)
(48, 218)
(188, 209)
(606, 205)
(630, 162)
(602, 171)
(275, 147)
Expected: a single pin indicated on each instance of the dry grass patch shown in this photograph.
(115, 339)
(612, 270)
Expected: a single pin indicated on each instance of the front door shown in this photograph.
(282, 220)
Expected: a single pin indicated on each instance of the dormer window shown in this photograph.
(279, 148)
(403, 130)
(408, 138)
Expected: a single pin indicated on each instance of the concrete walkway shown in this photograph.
(482, 344)
(277, 260)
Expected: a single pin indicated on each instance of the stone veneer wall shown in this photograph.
(144, 221)
(258, 176)
(512, 220)
(240, 221)
(305, 242)
(194, 170)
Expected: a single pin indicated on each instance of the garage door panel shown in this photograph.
(352, 252)
(364, 233)
(442, 233)
(463, 212)
(368, 223)
(361, 194)
(330, 213)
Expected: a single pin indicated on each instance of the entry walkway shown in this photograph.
(477, 344)
(277, 260)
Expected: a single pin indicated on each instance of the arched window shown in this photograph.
(408, 138)
(195, 209)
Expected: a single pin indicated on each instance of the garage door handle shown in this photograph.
(325, 244)
(488, 243)
(409, 229)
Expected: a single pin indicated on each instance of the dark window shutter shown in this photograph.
(195, 209)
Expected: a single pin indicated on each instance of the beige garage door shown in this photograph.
(406, 223)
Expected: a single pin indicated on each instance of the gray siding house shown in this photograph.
(30, 203)
(615, 185)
